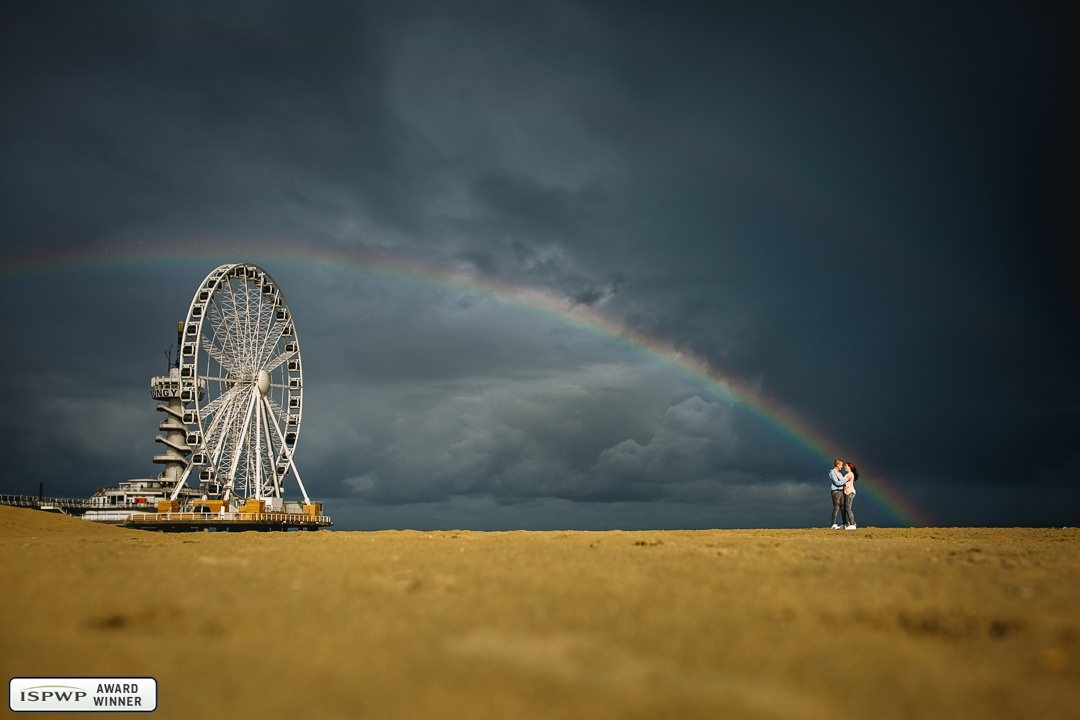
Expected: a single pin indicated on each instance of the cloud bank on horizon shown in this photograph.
(861, 213)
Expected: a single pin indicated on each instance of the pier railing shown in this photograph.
(177, 518)
(36, 501)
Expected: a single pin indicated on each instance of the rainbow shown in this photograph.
(772, 413)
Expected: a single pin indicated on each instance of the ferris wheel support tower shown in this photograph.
(166, 390)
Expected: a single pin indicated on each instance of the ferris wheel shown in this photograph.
(241, 386)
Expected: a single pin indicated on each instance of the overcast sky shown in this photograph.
(867, 212)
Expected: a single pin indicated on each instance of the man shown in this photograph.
(836, 476)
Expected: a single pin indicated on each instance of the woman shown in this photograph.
(851, 476)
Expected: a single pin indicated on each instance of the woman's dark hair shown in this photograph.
(854, 471)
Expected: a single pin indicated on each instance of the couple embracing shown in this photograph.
(843, 477)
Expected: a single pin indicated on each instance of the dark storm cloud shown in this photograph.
(524, 204)
(530, 223)
(192, 117)
(859, 210)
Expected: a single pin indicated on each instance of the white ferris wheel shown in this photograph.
(241, 387)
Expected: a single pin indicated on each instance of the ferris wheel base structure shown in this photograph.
(215, 515)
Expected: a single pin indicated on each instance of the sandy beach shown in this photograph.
(887, 623)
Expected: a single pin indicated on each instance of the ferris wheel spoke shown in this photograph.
(271, 451)
(243, 329)
(240, 441)
(266, 319)
(214, 405)
(219, 316)
(220, 354)
(218, 378)
(274, 364)
(274, 333)
(272, 330)
(220, 429)
(230, 448)
(256, 440)
(278, 411)
(253, 308)
(273, 414)
(216, 423)
(231, 327)
(220, 420)
(246, 316)
(278, 432)
(260, 316)
(223, 422)
(273, 479)
(238, 335)
(222, 316)
(292, 464)
(223, 351)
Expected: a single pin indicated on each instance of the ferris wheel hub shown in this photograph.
(262, 381)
